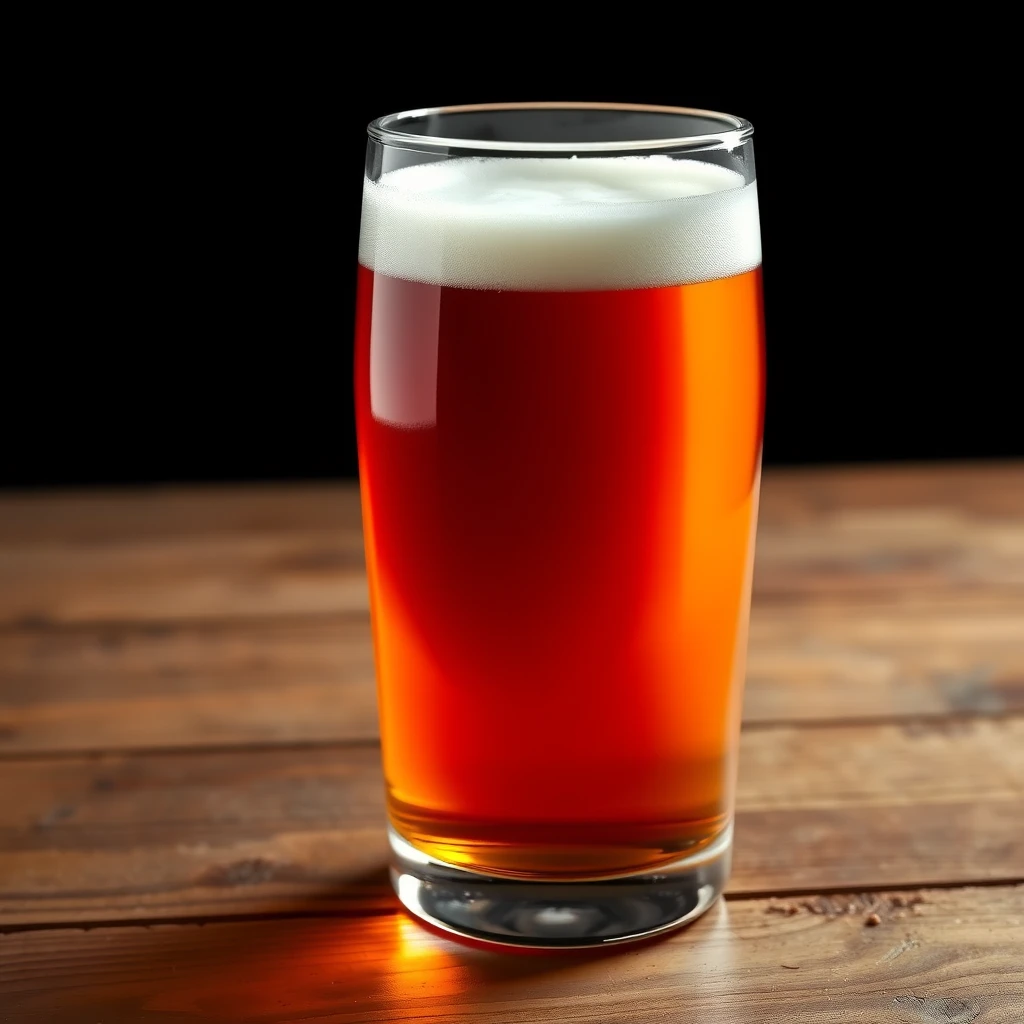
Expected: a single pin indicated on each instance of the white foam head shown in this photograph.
(560, 224)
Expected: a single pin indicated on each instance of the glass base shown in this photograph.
(559, 914)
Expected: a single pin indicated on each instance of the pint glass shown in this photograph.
(559, 374)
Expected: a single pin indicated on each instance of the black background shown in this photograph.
(186, 287)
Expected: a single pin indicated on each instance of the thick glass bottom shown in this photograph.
(559, 914)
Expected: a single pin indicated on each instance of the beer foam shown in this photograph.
(561, 224)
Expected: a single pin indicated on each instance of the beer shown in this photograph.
(559, 382)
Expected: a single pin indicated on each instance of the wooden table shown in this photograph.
(191, 822)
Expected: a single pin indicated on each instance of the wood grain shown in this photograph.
(881, 535)
(982, 491)
(194, 684)
(285, 831)
(187, 727)
(187, 684)
(170, 580)
(172, 513)
(841, 660)
(170, 554)
(979, 491)
(892, 534)
(951, 957)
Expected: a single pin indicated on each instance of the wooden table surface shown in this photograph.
(191, 807)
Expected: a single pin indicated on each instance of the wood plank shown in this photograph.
(107, 517)
(953, 957)
(984, 490)
(891, 533)
(184, 684)
(840, 660)
(164, 554)
(187, 684)
(296, 830)
(168, 580)
(195, 684)
(172, 553)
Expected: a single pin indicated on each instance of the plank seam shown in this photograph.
(853, 722)
(286, 915)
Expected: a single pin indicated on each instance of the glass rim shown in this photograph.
(738, 130)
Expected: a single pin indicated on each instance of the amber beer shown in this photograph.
(559, 380)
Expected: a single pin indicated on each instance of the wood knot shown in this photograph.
(55, 815)
(250, 871)
(936, 1011)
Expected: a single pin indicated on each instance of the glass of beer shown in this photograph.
(559, 379)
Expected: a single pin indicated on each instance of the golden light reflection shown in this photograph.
(433, 966)
(381, 966)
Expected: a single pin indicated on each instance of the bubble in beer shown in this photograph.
(560, 224)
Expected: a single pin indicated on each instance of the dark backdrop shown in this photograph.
(189, 279)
